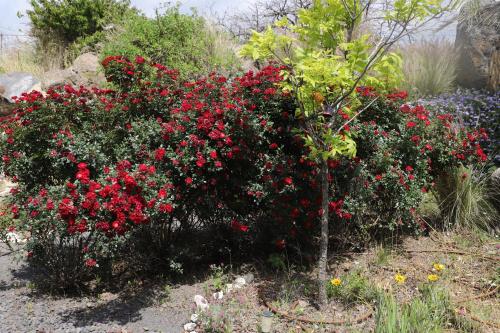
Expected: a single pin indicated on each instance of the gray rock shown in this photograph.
(189, 327)
(495, 186)
(16, 83)
(85, 71)
(201, 302)
(56, 77)
(478, 46)
(248, 277)
(87, 62)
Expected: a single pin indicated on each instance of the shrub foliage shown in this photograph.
(99, 168)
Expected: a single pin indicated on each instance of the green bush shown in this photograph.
(70, 20)
(63, 28)
(185, 42)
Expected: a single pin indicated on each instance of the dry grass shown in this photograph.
(438, 304)
(429, 67)
(20, 59)
(24, 58)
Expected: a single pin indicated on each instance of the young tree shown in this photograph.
(326, 59)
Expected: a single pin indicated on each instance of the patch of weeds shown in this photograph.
(472, 237)
(166, 292)
(277, 262)
(216, 320)
(382, 255)
(352, 288)
(291, 290)
(218, 277)
(31, 285)
(430, 312)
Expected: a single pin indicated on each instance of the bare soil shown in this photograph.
(471, 271)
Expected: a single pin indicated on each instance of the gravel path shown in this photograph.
(22, 310)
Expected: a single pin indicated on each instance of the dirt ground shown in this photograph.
(471, 270)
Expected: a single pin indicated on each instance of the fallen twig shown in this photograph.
(317, 321)
(479, 320)
(487, 294)
(494, 258)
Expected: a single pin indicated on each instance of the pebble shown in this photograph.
(218, 295)
(189, 327)
(201, 302)
(239, 282)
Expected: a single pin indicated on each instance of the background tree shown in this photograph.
(326, 60)
(60, 24)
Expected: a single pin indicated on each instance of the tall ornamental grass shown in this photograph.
(429, 67)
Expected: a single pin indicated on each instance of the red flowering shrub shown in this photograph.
(98, 169)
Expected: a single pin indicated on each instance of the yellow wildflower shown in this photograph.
(336, 282)
(400, 279)
(432, 277)
(438, 267)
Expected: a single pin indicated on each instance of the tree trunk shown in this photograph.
(323, 246)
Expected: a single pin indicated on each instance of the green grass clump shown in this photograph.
(464, 198)
(355, 288)
(431, 312)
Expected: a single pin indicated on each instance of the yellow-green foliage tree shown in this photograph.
(326, 59)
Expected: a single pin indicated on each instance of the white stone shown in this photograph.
(201, 302)
(194, 318)
(239, 282)
(13, 237)
(189, 327)
(229, 287)
(218, 295)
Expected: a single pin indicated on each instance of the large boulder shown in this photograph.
(478, 45)
(15, 83)
(84, 71)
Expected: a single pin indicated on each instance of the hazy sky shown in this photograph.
(11, 24)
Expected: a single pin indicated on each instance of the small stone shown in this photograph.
(218, 295)
(194, 318)
(303, 304)
(229, 287)
(145, 329)
(201, 302)
(189, 327)
(239, 282)
(248, 278)
(107, 296)
(89, 305)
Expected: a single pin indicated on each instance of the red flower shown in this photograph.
(166, 208)
(188, 180)
(159, 154)
(378, 177)
(288, 181)
(239, 227)
(409, 168)
(411, 124)
(273, 146)
(90, 262)
(139, 60)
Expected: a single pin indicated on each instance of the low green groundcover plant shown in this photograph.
(100, 169)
